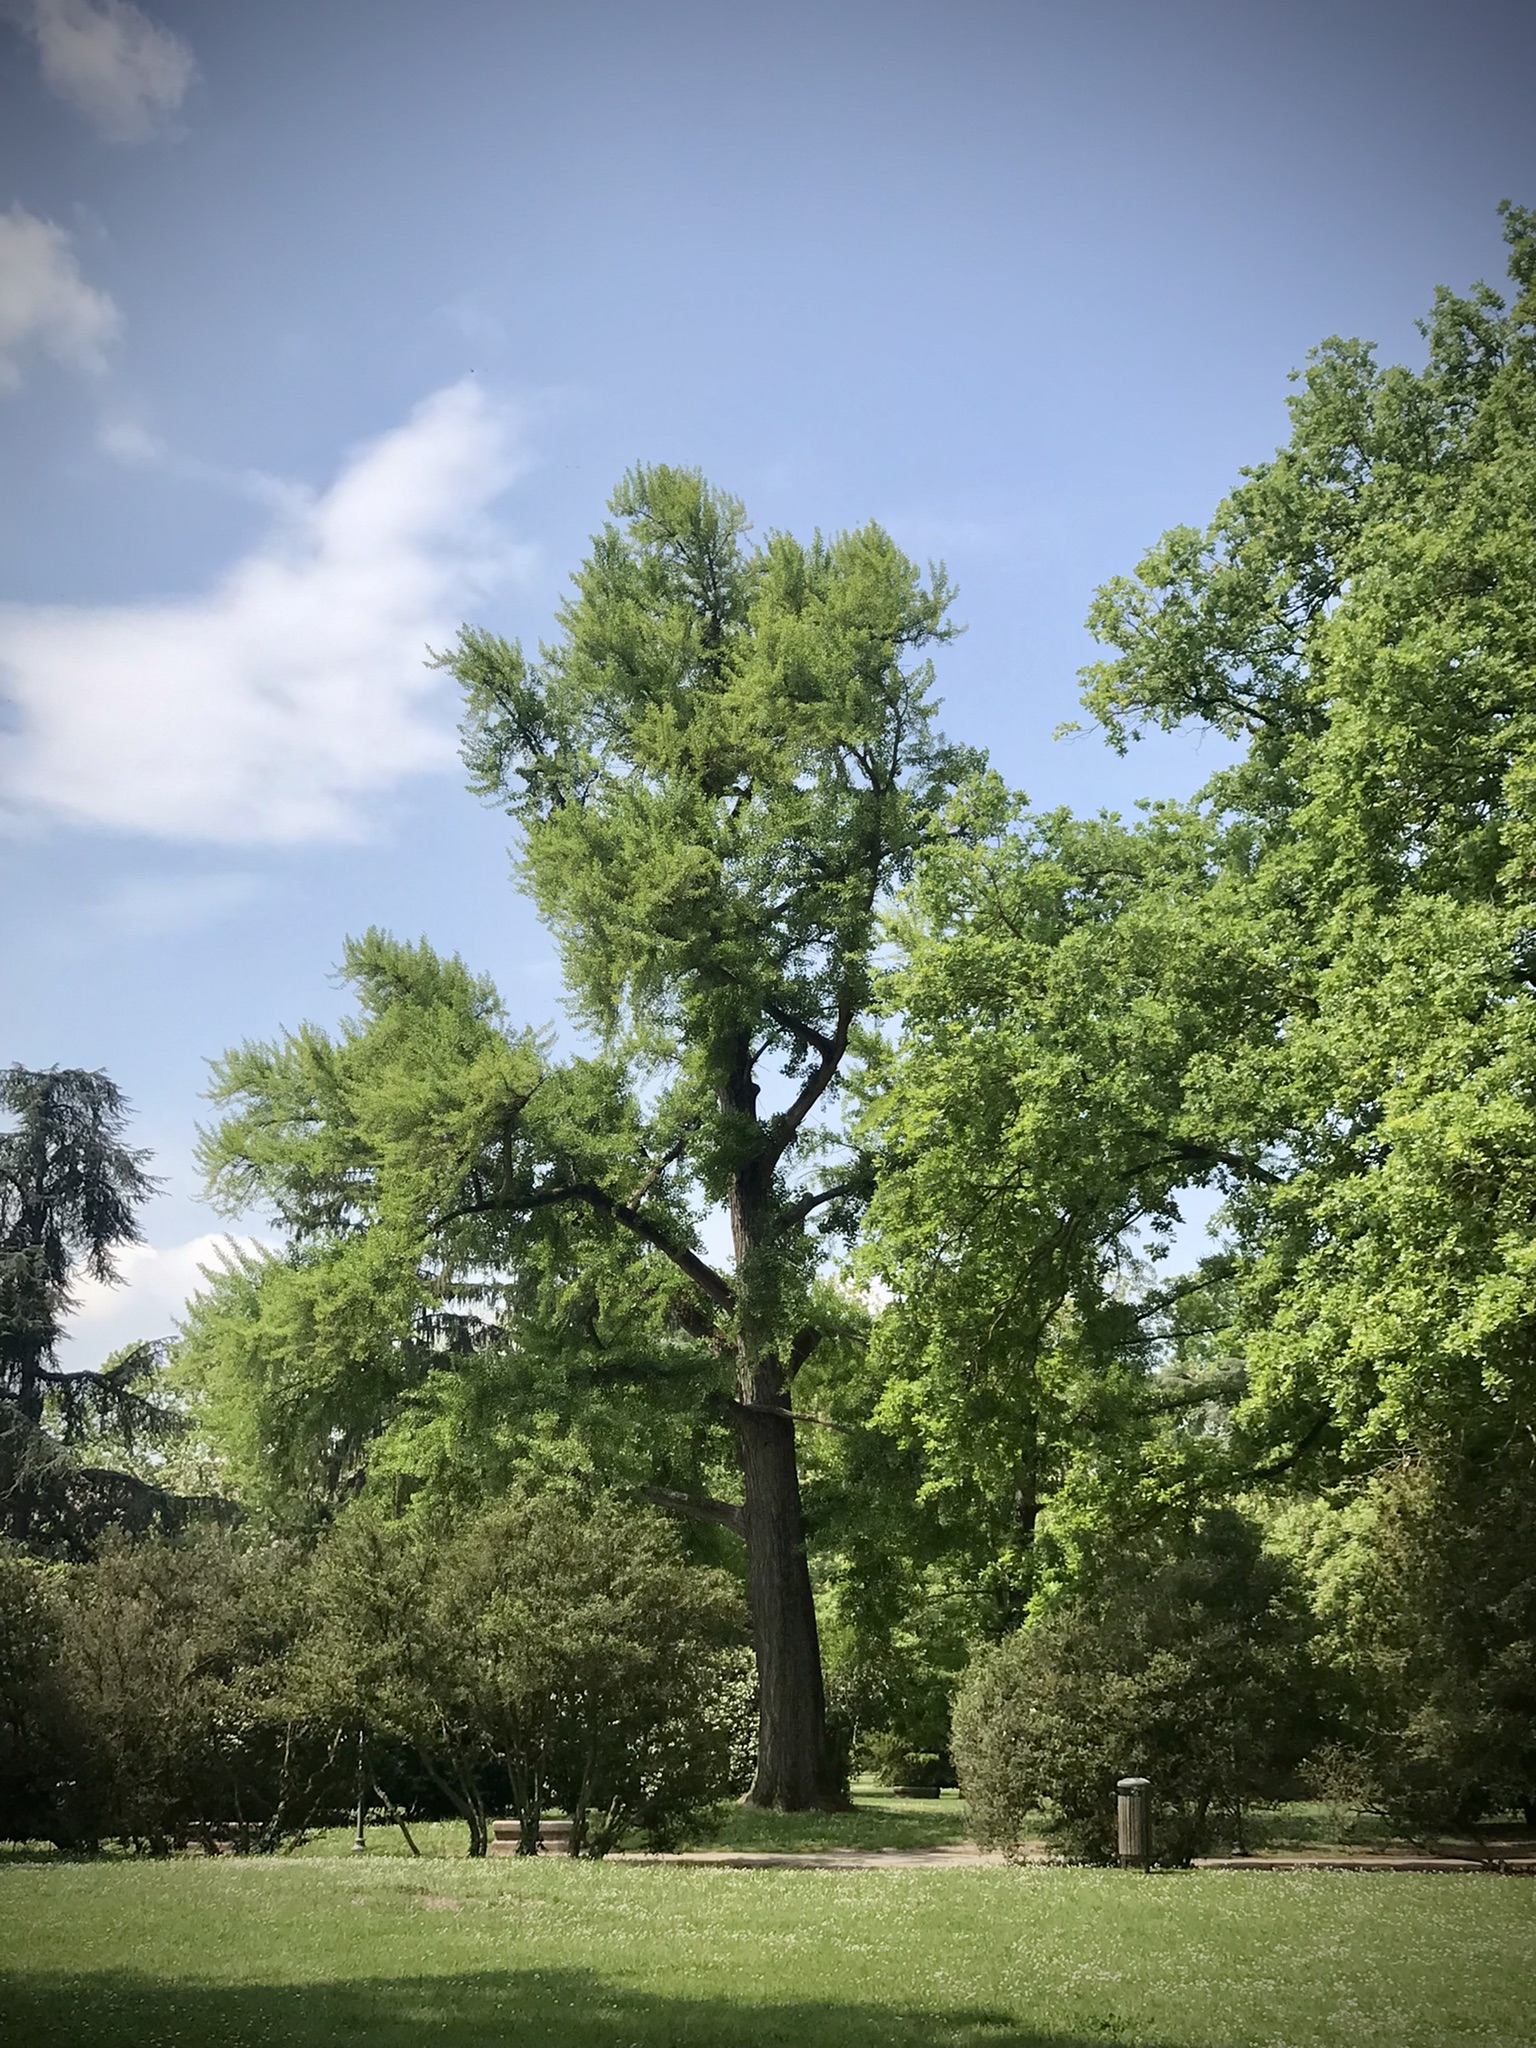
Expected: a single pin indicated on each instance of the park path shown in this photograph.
(953, 1856)
(960, 1856)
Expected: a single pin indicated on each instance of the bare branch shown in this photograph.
(699, 1506)
(784, 1126)
(709, 1283)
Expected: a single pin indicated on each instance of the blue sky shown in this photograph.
(324, 326)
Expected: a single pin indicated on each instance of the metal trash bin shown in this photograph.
(1133, 1817)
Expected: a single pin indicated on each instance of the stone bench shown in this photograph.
(554, 1837)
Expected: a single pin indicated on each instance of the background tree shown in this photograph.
(69, 1193)
(1359, 616)
(1310, 992)
(1312, 989)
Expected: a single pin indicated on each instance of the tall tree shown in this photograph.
(1311, 990)
(69, 1192)
(721, 771)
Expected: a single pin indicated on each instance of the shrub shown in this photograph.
(1432, 1611)
(564, 1649)
(174, 1659)
(591, 1651)
(38, 1740)
(1189, 1664)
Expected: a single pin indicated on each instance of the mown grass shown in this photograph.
(879, 1820)
(233, 1954)
(876, 1821)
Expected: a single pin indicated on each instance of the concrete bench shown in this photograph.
(554, 1837)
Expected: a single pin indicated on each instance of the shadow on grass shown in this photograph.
(507, 2008)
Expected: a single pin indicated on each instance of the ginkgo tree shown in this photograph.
(720, 771)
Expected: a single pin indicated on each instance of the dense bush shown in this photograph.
(1189, 1665)
(1429, 1604)
(174, 1656)
(36, 1745)
(561, 1653)
(144, 1699)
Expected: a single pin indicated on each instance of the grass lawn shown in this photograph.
(878, 1821)
(299, 1953)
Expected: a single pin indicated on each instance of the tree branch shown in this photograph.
(805, 1205)
(1288, 1460)
(784, 1126)
(709, 1283)
(806, 1341)
(818, 1041)
(670, 1157)
(1213, 1155)
(702, 1508)
(794, 1415)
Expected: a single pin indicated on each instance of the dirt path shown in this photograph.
(955, 1856)
(960, 1856)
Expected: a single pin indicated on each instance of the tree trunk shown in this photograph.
(794, 1769)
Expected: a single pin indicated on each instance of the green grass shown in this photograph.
(309, 1954)
(878, 1821)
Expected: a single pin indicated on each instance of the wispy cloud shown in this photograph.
(168, 906)
(125, 73)
(268, 710)
(44, 301)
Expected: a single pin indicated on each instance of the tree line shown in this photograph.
(853, 1238)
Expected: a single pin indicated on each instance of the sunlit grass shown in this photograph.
(310, 1952)
(877, 1820)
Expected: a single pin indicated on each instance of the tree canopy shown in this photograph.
(1307, 992)
(70, 1191)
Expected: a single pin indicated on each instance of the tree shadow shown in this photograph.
(484, 2009)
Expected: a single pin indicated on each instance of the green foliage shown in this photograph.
(1309, 994)
(1426, 1588)
(417, 1334)
(144, 1698)
(36, 1750)
(1360, 612)
(173, 1657)
(1069, 993)
(1187, 1663)
(561, 1646)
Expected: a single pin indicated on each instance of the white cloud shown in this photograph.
(265, 711)
(125, 73)
(130, 442)
(154, 1286)
(44, 301)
